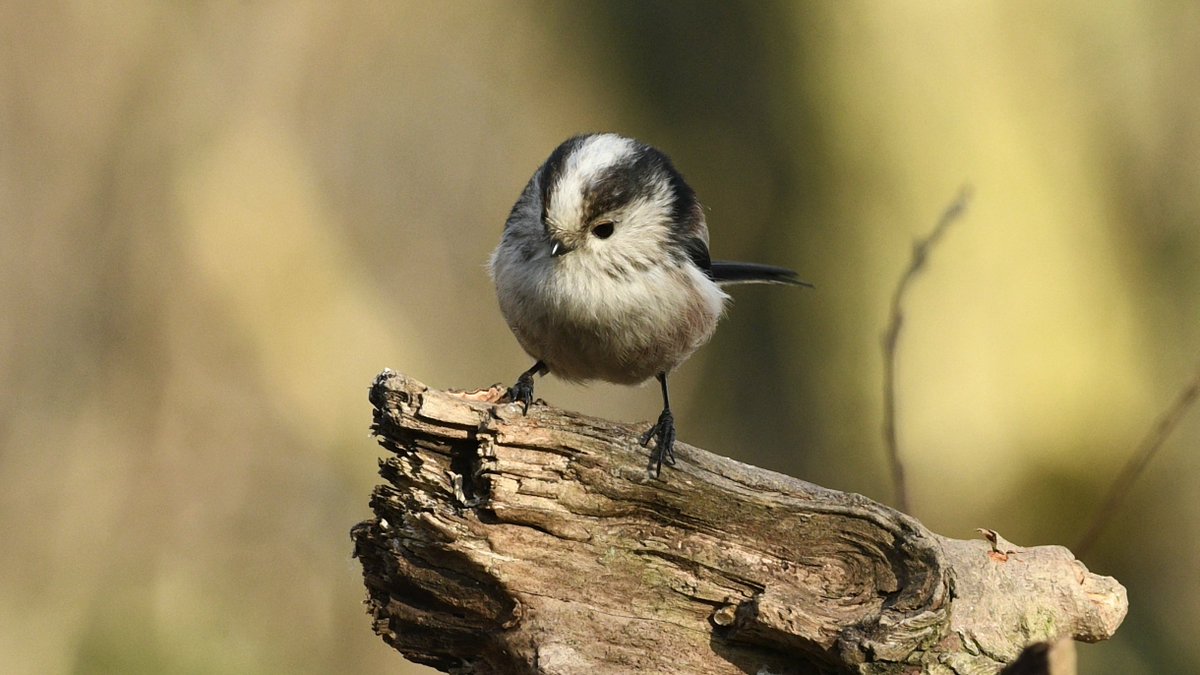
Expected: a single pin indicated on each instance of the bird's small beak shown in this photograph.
(558, 248)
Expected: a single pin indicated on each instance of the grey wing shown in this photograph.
(697, 251)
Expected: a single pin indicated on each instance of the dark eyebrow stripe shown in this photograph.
(620, 184)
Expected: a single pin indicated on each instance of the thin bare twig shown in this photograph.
(921, 250)
(1138, 461)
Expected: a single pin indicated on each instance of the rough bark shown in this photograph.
(505, 543)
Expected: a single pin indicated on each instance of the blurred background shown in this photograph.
(218, 221)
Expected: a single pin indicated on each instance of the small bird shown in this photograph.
(603, 272)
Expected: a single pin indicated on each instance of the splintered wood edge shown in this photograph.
(1001, 600)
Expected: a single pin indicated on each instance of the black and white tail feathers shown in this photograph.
(726, 272)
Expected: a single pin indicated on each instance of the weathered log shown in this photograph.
(540, 543)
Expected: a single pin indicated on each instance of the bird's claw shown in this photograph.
(522, 392)
(663, 433)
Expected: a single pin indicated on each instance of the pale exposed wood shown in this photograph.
(505, 543)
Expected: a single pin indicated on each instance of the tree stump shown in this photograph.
(539, 543)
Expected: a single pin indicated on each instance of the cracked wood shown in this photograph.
(505, 543)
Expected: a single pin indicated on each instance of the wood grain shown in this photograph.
(505, 543)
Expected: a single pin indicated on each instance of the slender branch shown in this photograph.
(1136, 465)
(921, 250)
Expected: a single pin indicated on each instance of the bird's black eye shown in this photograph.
(603, 229)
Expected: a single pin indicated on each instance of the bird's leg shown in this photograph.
(522, 391)
(663, 432)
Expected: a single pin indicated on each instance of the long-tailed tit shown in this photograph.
(603, 271)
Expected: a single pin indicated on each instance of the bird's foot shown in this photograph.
(663, 433)
(522, 391)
